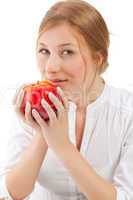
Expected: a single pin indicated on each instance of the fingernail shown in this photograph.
(22, 93)
(59, 89)
(50, 94)
(28, 107)
(43, 101)
(34, 112)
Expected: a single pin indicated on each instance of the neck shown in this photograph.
(90, 96)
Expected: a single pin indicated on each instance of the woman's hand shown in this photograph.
(27, 118)
(55, 131)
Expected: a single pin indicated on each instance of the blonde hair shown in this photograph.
(85, 19)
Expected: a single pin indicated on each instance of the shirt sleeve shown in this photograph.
(123, 177)
(18, 139)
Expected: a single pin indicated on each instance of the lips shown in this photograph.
(57, 80)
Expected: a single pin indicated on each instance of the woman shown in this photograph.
(86, 152)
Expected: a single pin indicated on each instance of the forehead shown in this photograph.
(59, 34)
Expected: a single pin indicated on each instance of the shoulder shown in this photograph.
(118, 109)
(120, 98)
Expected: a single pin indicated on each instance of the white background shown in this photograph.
(19, 22)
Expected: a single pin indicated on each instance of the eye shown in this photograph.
(43, 51)
(67, 52)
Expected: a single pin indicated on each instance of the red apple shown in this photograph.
(34, 94)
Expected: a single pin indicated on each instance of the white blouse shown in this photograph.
(107, 145)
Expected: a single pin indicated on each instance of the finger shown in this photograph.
(58, 104)
(17, 92)
(28, 115)
(49, 110)
(19, 113)
(64, 98)
(19, 101)
(18, 104)
(20, 98)
(38, 118)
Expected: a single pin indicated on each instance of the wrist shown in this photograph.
(40, 140)
(65, 151)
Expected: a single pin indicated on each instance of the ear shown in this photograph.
(99, 58)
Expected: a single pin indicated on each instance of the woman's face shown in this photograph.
(62, 56)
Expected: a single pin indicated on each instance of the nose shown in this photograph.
(53, 64)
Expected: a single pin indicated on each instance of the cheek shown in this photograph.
(77, 69)
(40, 63)
(78, 73)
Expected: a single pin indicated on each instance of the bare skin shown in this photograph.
(79, 71)
(81, 112)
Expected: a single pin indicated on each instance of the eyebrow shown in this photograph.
(60, 45)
